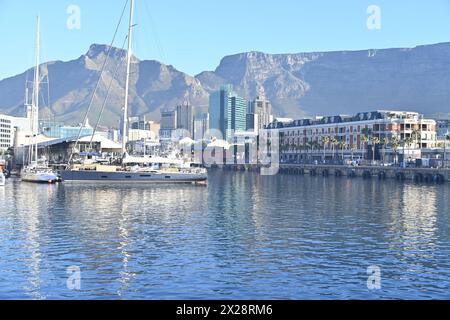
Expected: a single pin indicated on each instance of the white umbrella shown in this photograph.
(219, 144)
(187, 141)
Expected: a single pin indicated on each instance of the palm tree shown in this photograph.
(342, 145)
(353, 149)
(395, 144)
(417, 136)
(409, 141)
(325, 141)
(384, 142)
(375, 141)
(365, 139)
(334, 142)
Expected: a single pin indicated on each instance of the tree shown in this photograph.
(395, 144)
(416, 135)
(325, 141)
(408, 142)
(353, 149)
(375, 142)
(384, 142)
(342, 145)
(335, 143)
(365, 140)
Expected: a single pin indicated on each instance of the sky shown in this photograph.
(194, 35)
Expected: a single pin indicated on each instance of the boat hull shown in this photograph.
(133, 177)
(38, 177)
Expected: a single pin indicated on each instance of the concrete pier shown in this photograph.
(425, 175)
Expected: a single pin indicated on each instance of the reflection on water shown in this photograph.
(244, 236)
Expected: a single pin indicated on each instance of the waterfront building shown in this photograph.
(259, 114)
(9, 126)
(228, 112)
(201, 126)
(443, 128)
(58, 151)
(58, 130)
(359, 135)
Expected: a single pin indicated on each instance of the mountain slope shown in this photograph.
(297, 84)
(152, 86)
(342, 82)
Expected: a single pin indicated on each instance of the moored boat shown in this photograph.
(133, 169)
(36, 171)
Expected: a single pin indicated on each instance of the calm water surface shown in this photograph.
(243, 237)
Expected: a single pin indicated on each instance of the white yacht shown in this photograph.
(36, 171)
(135, 169)
(39, 174)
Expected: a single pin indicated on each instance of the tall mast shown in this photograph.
(127, 82)
(35, 101)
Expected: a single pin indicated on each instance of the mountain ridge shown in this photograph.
(298, 84)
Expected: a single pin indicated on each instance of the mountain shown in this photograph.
(153, 85)
(297, 84)
(344, 82)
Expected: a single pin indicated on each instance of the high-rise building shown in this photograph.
(201, 126)
(259, 114)
(185, 118)
(228, 112)
(168, 124)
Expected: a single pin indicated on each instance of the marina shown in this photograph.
(244, 236)
(207, 173)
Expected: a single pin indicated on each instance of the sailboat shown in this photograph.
(37, 170)
(132, 170)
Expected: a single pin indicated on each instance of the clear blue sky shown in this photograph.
(193, 35)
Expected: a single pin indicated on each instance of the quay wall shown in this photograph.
(426, 175)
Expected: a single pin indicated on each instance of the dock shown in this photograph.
(425, 175)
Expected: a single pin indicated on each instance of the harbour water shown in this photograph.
(244, 236)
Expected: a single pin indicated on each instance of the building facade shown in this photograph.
(228, 112)
(443, 129)
(9, 126)
(185, 118)
(168, 124)
(58, 130)
(360, 134)
(201, 126)
(259, 114)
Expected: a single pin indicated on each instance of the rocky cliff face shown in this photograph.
(298, 84)
(342, 82)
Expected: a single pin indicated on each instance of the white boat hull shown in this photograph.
(133, 177)
(39, 177)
